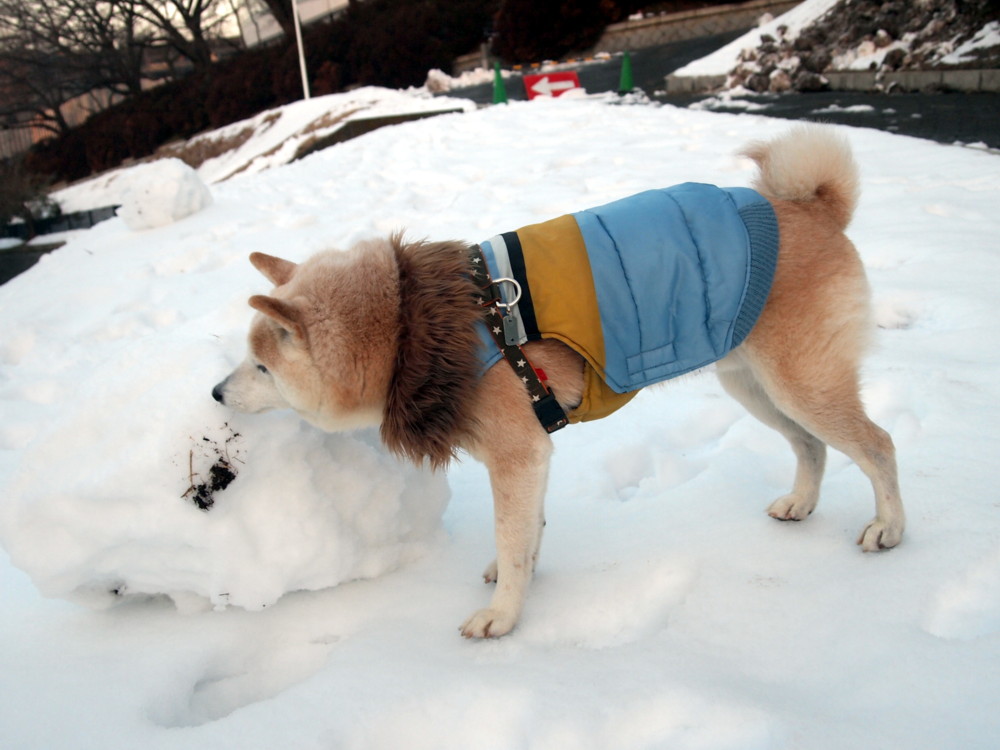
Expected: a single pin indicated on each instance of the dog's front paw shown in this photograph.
(792, 507)
(488, 623)
(879, 535)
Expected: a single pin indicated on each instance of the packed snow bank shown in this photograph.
(276, 136)
(438, 81)
(266, 140)
(152, 488)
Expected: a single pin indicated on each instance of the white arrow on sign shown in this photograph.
(545, 87)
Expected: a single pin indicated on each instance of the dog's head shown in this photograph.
(322, 341)
(382, 334)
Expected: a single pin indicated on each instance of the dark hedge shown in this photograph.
(377, 42)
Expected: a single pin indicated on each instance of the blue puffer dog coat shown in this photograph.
(645, 288)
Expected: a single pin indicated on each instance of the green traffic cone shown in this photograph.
(625, 84)
(499, 89)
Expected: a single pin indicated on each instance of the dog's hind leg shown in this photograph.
(810, 452)
(831, 409)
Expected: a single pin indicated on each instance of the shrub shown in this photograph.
(535, 30)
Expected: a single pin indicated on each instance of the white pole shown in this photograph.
(298, 42)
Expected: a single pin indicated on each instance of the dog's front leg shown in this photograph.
(518, 466)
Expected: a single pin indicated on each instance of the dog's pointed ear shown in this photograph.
(277, 270)
(281, 312)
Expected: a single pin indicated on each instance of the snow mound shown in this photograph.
(266, 140)
(154, 489)
(277, 136)
(161, 193)
(438, 81)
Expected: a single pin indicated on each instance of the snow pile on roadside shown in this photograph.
(438, 81)
(793, 51)
(724, 59)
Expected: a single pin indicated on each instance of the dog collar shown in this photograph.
(504, 325)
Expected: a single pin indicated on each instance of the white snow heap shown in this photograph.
(118, 516)
(162, 192)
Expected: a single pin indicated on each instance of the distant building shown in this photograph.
(257, 25)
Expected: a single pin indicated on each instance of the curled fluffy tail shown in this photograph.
(809, 163)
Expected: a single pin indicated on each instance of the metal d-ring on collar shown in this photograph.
(517, 293)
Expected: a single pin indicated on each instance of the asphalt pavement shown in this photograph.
(17, 260)
(968, 118)
(971, 118)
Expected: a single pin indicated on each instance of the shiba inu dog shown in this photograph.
(489, 347)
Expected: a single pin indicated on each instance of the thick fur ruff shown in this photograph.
(436, 372)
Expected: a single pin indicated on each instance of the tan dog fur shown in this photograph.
(382, 334)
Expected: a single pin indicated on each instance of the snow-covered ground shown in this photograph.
(318, 598)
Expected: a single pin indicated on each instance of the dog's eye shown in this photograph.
(262, 369)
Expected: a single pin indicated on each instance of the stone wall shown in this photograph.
(691, 24)
(915, 80)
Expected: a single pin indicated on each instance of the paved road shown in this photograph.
(13, 262)
(945, 118)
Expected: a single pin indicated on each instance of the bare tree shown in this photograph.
(33, 89)
(189, 26)
(52, 51)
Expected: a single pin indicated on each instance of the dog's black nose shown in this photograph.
(217, 394)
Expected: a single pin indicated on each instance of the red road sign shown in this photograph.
(551, 84)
